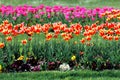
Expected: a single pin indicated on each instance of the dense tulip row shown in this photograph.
(58, 42)
(107, 31)
(111, 15)
(45, 14)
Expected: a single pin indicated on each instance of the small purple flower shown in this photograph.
(36, 68)
(27, 18)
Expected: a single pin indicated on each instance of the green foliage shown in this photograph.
(98, 50)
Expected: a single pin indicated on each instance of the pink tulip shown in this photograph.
(14, 18)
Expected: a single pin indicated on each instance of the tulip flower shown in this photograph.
(48, 36)
(24, 42)
(88, 38)
(9, 38)
(0, 68)
(21, 58)
(73, 58)
(82, 41)
(116, 38)
(2, 45)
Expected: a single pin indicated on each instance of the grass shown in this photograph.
(57, 75)
(83, 3)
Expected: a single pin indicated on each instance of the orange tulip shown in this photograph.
(110, 25)
(110, 38)
(62, 27)
(57, 31)
(37, 30)
(101, 33)
(45, 28)
(9, 38)
(5, 32)
(1, 29)
(70, 35)
(9, 26)
(86, 27)
(55, 36)
(110, 32)
(116, 38)
(117, 31)
(100, 27)
(88, 38)
(85, 33)
(30, 38)
(6, 22)
(91, 32)
(2, 45)
(48, 36)
(24, 42)
(77, 32)
(66, 30)
(66, 38)
(105, 37)
(82, 41)
(30, 33)
(94, 25)
(63, 34)
(70, 30)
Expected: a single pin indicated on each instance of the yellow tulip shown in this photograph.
(73, 58)
(0, 68)
(21, 58)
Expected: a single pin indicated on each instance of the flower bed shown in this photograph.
(46, 47)
(60, 46)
